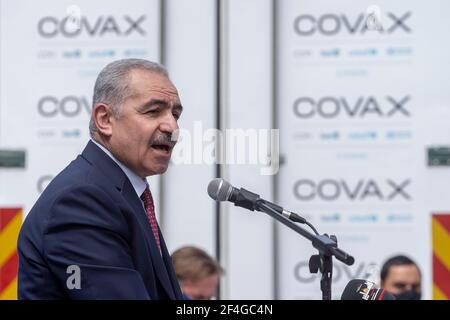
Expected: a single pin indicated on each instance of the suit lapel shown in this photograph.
(94, 155)
(101, 161)
(158, 264)
(169, 267)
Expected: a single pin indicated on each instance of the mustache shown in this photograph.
(169, 139)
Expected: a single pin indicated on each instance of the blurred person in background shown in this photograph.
(197, 272)
(401, 276)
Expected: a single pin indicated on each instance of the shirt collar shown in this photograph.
(137, 182)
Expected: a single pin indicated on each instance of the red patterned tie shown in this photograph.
(150, 209)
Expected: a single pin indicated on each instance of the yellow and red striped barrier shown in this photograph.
(441, 256)
(10, 222)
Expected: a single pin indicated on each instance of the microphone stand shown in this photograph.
(326, 245)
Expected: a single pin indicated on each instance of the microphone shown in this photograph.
(358, 289)
(221, 190)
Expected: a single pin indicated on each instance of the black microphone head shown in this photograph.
(358, 289)
(219, 189)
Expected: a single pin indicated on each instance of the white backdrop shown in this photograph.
(358, 109)
(47, 78)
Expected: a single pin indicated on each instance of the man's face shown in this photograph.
(203, 289)
(141, 134)
(403, 279)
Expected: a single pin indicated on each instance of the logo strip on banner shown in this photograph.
(441, 256)
(10, 223)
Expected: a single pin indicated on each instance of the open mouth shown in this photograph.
(161, 147)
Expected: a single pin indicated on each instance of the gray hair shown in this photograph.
(111, 86)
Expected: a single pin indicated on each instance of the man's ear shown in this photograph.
(101, 113)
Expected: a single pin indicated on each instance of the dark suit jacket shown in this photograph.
(91, 217)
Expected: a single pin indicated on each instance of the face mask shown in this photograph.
(408, 295)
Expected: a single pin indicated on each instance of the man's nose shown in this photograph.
(169, 124)
(409, 287)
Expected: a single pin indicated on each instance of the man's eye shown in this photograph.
(153, 111)
(399, 285)
(176, 115)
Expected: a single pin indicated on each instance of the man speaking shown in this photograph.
(93, 234)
